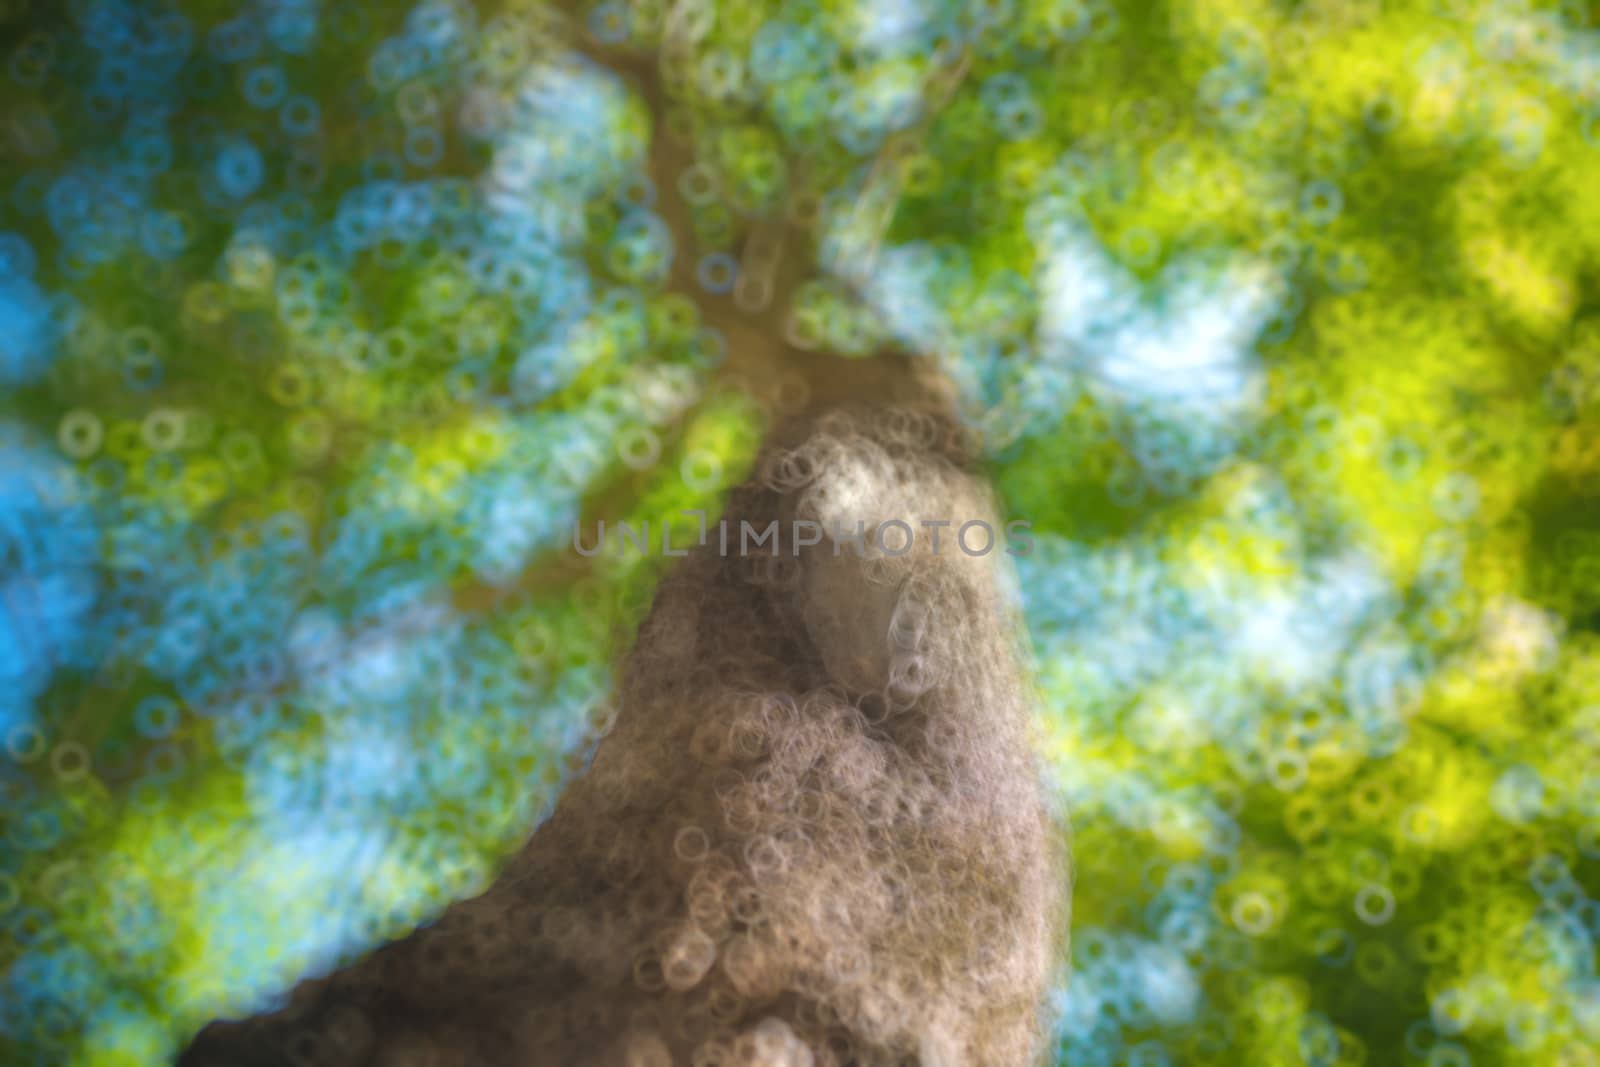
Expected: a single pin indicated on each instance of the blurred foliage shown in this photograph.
(321, 324)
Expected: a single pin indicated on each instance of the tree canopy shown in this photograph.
(321, 324)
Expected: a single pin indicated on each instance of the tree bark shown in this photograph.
(814, 835)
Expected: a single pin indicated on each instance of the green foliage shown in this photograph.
(320, 326)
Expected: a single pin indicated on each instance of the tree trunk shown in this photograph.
(814, 834)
